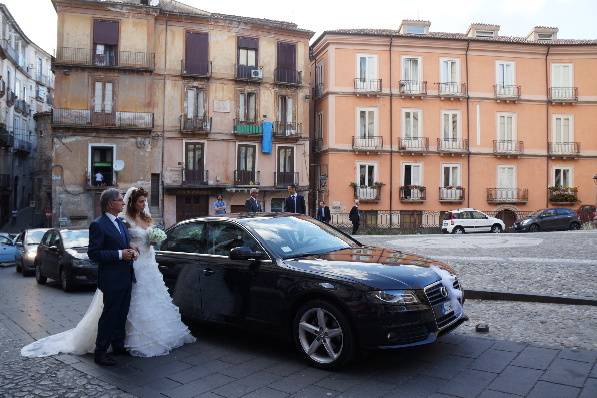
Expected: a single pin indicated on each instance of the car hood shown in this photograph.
(378, 268)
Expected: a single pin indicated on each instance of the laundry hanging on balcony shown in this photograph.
(266, 141)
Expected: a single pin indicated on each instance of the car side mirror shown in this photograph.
(19, 244)
(245, 253)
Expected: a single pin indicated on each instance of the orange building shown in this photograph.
(411, 122)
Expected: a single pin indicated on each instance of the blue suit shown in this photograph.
(114, 279)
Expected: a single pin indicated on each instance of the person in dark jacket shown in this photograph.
(355, 217)
(323, 213)
(252, 205)
(294, 203)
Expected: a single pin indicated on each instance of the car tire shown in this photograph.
(38, 276)
(534, 228)
(330, 352)
(574, 226)
(65, 281)
(496, 228)
(458, 230)
(19, 268)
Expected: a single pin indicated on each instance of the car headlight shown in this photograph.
(525, 222)
(31, 255)
(396, 296)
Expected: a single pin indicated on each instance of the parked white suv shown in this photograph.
(460, 221)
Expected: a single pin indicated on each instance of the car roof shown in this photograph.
(241, 216)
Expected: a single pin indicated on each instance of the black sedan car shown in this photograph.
(296, 277)
(549, 220)
(62, 256)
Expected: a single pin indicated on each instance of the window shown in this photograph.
(286, 124)
(103, 97)
(319, 75)
(450, 125)
(102, 160)
(411, 174)
(450, 175)
(506, 177)
(319, 125)
(562, 81)
(477, 215)
(366, 123)
(194, 162)
(449, 76)
(505, 79)
(544, 36)
(506, 129)
(414, 29)
(411, 75)
(247, 106)
(154, 199)
(39, 68)
(277, 205)
(186, 238)
(366, 177)
(105, 42)
(562, 177)
(247, 51)
(411, 127)
(487, 34)
(562, 129)
(366, 67)
(286, 63)
(194, 103)
(196, 60)
(222, 238)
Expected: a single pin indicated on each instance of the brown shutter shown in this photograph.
(248, 42)
(105, 32)
(287, 56)
(196, 53)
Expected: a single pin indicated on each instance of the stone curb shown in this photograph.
(529, 298)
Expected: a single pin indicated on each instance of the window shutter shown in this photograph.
(97, 100)
(190, 103)
(251, 103)
(248, 42)
(241, 107)
(108, 98)
(196, 53)
(105, 32)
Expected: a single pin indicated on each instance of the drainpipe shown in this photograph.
(164, 124)
(391, 134)
(547, 120)
(468, 130)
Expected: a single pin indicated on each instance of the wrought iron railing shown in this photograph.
(451, 89)
(9, 49)
(120, 59)
(417, 144)
(247, 127)
(248, 73)
(367, 143)
(452, 145)
(563, 94)
(247, 177)
(286, 178)
(195, 124)
(451, 194)
(413, 87)
(502, 91)
(563, 194)
(195, 177)
(507, 147)
(507, 195)
(199, 69)
(367, 193)
(283, 129)
(367, 85)
(564, 148)
(288, 76)
(86, 118)
(21, 145)
(413, 193)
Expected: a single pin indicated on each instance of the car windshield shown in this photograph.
(290, 237)
(78, 238)
(34, 237)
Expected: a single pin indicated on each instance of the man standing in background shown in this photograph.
(294, 203)
(355, 217)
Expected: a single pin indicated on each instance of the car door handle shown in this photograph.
(162, 267)
(208, 271)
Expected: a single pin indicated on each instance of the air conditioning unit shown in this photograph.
(257, 74)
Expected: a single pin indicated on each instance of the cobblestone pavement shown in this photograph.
(544, 263)
(230, 363)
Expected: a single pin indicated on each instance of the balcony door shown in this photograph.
(285, 175)
(412, 179)
(450, 128)
(105, 43)
(449, 76)
(286, 125)
(101, 161)
(504, 76)
(506, 183)
(561, 81)
(563, 134)
(103, 101)
(366, 182)
(411, 74)
(196, 53)
(245, 167)
(450, 182)
(194, 107)
(247, 106)
(506, 133)
(247, 56)
(194, 162)
(286, 63)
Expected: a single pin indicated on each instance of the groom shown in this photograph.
(109, 248)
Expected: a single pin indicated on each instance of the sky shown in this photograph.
(574, 18)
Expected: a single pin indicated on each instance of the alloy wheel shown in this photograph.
(320, 335)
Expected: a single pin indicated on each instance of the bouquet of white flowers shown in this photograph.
(156, 235)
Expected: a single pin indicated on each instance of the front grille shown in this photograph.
(433, 293)
(445, 320)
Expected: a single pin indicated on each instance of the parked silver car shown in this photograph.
(26, 244)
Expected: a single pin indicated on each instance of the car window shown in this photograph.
(478, 215)
(53, 239)
(45, 240)
(75, 238)
(223, 237)
(34, 237)
(5, 241)
(20, 238)
(467, 215)
(549, 213)
(185, 238)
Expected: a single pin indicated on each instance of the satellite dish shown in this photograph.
(119, 165)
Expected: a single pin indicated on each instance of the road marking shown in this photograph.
(517, 259)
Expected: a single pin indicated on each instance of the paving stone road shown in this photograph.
(525, 354)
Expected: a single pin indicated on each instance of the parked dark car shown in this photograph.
(586, 213)
(549, 220)
(26, 243)
(62, 256)
(301, 279)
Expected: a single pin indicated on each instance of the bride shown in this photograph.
(153, 325)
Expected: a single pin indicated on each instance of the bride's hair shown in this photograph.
(131, 211)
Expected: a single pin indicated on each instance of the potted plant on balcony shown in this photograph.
(563, 194)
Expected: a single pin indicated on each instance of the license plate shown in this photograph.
(445, 223)
(447, 307)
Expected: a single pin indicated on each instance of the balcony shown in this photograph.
(6, 138)
(413, 193)
(414, 145)
(22, 107)
(4, 181)
(42, 79)
(199, 125)
(247, 128)
(23, 146)
(506, 92)
(195, 177)
(451, 194)
(201, 70)
(564, 149)
(290, 130)
(412, 88)
(248, 73)
(563, 195)
(367, 144)
(563, 94)
(452, 145)
(282, 179)
(11, 98)
(8, 50)
(288, 76)
(131, 60)
(451, 90)
(507, 195)
(367, 86)
(84, 118)
(247, 177)
(507, 147)
(367, 193)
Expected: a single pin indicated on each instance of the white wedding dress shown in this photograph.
(153, 324)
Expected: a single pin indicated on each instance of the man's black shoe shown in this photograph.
(121, 352)
(104, 360)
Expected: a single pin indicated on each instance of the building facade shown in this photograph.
(183, 102)
(26, 88)
(433, 121)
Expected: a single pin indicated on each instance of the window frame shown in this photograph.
(441, 64)
(403, 112)
(245, 117)
(375, 121)
(403, 68)
(497, 73)
(374, 68)
(403, 173)
(443, 166)
(562, 116)
(514, 125)
(367, 164)
(569, 169)
(458, 133)
(514, 175)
